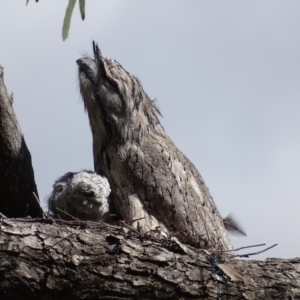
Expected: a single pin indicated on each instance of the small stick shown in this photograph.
(171, 265)
(76, 219)
(39, 204)
(129, 222)
(131, 228)
(64, 238)
(3, 216)
(258, 245)
(255, 253)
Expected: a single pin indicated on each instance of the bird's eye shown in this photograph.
(89, 193)
(59, 187)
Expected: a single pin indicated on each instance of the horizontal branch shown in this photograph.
(42, 259)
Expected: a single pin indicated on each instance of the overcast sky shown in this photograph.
(226, 76)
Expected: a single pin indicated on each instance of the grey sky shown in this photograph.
(226, 77)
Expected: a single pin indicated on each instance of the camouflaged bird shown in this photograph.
(149, 176)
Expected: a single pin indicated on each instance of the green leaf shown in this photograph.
(67, 19)
(82, 9)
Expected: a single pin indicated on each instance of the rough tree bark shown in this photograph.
(42, 259)
(17, 182)
(49, 261)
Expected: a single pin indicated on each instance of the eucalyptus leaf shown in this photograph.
(82, 8)
(67, 19)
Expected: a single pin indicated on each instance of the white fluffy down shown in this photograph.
(83, 195)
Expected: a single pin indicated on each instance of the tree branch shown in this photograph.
(40, 260)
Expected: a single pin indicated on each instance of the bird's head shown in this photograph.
(105, 81)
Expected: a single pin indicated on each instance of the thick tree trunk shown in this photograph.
(40, 260)
(16, 173)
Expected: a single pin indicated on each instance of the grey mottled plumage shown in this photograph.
(83, 195)
(148, 175)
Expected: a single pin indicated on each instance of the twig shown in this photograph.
(131, 228)
(128, 222)
(62, 239)
(255, 253)
(258, 245)
(172, 264)
(80, 223)
(3, 216)
(39, 203)
(220, 251)
(74, 218)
